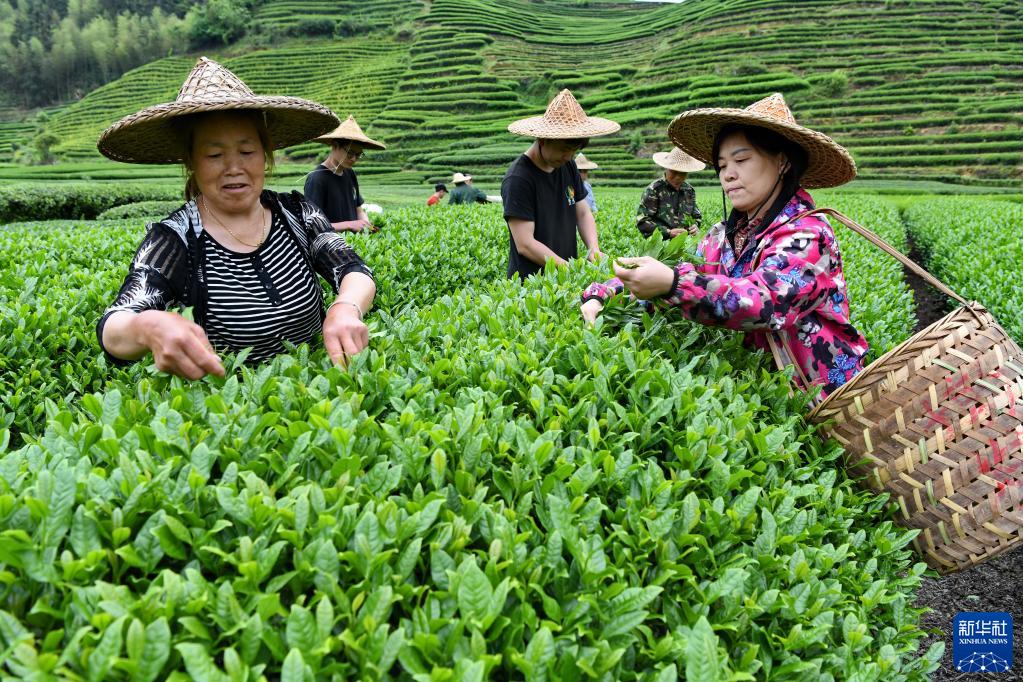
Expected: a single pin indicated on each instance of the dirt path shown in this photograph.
(993, 586)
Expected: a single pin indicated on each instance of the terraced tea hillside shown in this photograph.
(928, 89)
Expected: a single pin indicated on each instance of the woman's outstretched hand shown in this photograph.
(591, 309)
(645, 277)
(179, 347)
(344, 333)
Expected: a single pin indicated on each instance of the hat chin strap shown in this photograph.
(769, 195)
(539, 150)
(749, 216)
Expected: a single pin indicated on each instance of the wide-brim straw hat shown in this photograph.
(828, 163)
(563, 120)
(351, 132)
(582, 163)
(678, 160)
(460, 177)
(151, 136)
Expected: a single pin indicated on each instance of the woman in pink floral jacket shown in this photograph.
(769, 269)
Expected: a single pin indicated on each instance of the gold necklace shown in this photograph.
(262, 221)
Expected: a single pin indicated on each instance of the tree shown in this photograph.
(218, 22)
(635, 142)
(43, 143)
(94, 42)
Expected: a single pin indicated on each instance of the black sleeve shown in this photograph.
(315, 189)
(359, 201)
(519, 198)
(157, 278)
(481, 196)
(579, 190)
(331, 255)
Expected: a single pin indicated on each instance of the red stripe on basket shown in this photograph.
(1002, 488)
(997, 453)
(939, 416)
(984, 465)
(956, 383)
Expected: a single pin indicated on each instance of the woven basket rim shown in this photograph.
(851, 385)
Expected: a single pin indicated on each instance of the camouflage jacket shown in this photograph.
(466, 194)
(664, 208)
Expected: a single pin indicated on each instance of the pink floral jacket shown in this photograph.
(787, 281)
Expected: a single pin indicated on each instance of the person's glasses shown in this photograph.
(355, 155)
(562, 148)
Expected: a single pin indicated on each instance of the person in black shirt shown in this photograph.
(542, 191)
(333, 185)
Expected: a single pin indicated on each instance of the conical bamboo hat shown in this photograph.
(678, 160)
(829, 164)
(150, 136)
(350, 130)
(564, 119)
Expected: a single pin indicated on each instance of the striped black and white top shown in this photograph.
(260, 299)
(257, 300)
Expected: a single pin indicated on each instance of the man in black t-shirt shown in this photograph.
(333, 185)
(543, 192)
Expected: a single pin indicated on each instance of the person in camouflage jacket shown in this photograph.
(668, 205)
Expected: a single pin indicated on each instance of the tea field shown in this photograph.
(492, 490)
(919, 90)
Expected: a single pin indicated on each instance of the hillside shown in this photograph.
(917, 89)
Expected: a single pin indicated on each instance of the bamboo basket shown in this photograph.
(937, 422)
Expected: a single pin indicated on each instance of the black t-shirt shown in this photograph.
(336, 195)
(548, 201)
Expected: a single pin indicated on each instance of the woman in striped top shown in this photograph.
(244, 258)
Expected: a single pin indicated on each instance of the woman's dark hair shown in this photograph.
(766, 141)
(186, 125)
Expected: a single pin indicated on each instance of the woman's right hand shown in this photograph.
(179, 347)
(357, 225)
(591, 309)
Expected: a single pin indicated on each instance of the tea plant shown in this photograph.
(491, 490)
(973, 245)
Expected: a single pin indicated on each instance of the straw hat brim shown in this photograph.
(828, 163)
(363, 140)
(588, 165)
(540, 127)
(661, 159)
(150, 136)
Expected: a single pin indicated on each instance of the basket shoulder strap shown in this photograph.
(887, 248)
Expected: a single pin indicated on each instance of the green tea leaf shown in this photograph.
(199, 664)
(294, 668)
(474, 591)
(102, 658)
(155, 652)
(301, 632)
(702, 662)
